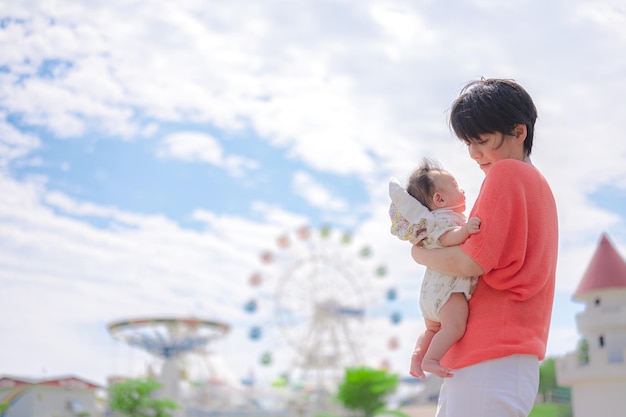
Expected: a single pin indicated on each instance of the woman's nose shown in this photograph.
(473, 151)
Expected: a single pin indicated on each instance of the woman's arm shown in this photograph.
(449, 261)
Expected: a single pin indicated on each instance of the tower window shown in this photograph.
(597, 302)
(601, 341)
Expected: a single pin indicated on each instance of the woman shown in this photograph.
(496, 363)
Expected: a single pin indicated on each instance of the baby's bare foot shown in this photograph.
(433, 366)
(416, 365)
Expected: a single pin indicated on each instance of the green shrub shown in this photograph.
(366, 390)
(134, 398)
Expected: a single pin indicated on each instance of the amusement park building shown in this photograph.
(596, 372)
(66, 396)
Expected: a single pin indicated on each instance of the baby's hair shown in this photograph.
(421, 184)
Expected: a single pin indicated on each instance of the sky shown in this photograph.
(151, 153)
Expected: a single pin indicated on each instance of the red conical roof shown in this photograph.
(607, 269)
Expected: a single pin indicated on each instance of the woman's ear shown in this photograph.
(520, 132)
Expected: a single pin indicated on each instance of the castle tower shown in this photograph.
(596, 372)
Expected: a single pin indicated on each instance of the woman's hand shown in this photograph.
(449, 261)
(418, 253)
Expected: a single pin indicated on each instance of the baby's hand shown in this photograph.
(473, 225)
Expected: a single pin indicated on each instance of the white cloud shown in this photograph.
(609, 15)
(202, 147)
(76, 277)
(315, 193)
(14, 144)
(408, 36)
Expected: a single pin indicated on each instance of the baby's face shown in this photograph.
(451, 195)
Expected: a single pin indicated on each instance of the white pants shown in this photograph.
(505, 387)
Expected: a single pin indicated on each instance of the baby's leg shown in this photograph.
(453, 315)
(421, 346)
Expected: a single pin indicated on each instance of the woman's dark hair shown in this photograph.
(493, 105)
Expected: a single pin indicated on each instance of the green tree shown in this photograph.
(549, 388)
(366, 390)
(583, 352)
(134, 398)
(547, 377)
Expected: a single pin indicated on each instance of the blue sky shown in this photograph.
(148, 156)
(135, 175)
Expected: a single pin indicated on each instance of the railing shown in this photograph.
(570, 370)
(601, 317)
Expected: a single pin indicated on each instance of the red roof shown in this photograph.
(607, 269)
(64, 382)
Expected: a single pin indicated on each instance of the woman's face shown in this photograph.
(490, 148)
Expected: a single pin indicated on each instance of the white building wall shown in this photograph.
(40, 401)
(598, 384)
(599, 398)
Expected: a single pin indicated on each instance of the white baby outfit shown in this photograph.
(437, 287)
(411, 221)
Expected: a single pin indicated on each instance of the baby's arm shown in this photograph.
(459, 235)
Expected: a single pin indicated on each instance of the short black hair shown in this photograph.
(493, 105)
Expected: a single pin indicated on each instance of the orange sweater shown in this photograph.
(509, 313)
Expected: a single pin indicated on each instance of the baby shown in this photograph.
(430, 212)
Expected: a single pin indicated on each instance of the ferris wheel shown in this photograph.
(323, 283)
